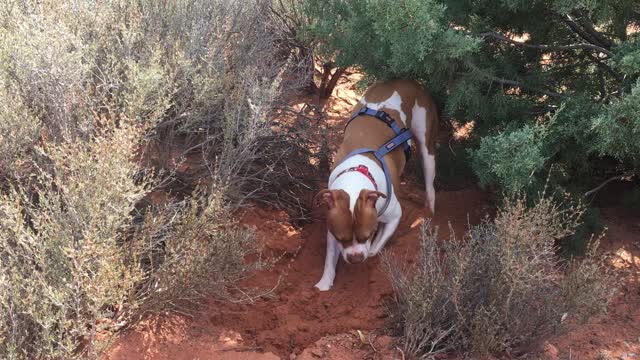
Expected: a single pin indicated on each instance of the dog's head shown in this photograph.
(354, 229)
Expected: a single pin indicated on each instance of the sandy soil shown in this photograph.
(294, 321)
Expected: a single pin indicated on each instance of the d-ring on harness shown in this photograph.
(401, 138)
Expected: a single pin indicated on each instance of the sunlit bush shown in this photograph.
(499, 288)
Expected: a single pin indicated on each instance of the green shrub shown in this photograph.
(577, 244)
(512, 159)
(499, 288)
(512, 67)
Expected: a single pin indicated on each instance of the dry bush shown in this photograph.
(77, 243)
(584, 286)
(19, 132)
(217, 98)
(65, 264)
(190, 250)
(293, 162)
(499, 288)
(206, 74)
(62, 269)
(74, 262)
(47, 65)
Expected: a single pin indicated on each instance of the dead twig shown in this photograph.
(514, 83)
(243, 349)
(584, 46)
(371, 343)
(252, 299)
(613, 178)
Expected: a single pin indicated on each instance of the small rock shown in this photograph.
(309, 294)
(317, 352)
(384, 341)
(292, 356)
(596, 342)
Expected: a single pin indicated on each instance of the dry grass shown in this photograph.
(499, 288)
(85, 87)
(605, 355)
(190, 250)
(62, 267)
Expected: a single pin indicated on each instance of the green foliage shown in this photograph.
(578, 243)
(513, 158)
(617, 129)
(508, 65)
(375, 36)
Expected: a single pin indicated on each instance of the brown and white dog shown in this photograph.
(354, 227)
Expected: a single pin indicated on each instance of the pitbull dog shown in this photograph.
(356, 227)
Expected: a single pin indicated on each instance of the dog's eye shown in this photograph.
(363, 235)
(342, 239)
(364, 238)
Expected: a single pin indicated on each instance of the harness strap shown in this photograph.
(385, 169)
(379, 154)
(387, 119)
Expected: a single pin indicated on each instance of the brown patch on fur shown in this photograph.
(366, 132)
(339, 219)
(365, 215)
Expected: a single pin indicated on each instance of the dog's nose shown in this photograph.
(355, 258)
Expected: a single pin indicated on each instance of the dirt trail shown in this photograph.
(295, 315)
(296, 321)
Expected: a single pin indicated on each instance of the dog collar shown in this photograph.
(362, 170)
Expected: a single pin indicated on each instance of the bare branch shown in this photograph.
(586, 32)
(499, 36)
(613, 178)
(514, 83)
(588, 26)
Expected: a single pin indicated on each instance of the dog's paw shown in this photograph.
(428, 212)
(323, 285)
(373, 252)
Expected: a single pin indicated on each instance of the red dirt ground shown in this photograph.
(296, 321)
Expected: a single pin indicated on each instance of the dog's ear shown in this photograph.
(325, 197)
(365, 214)
(333, 198)
(370, 197)
(339, 219)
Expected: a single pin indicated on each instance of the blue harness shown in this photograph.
(402, 137)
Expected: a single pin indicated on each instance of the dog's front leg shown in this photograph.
(330, 263)
(384, 234)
